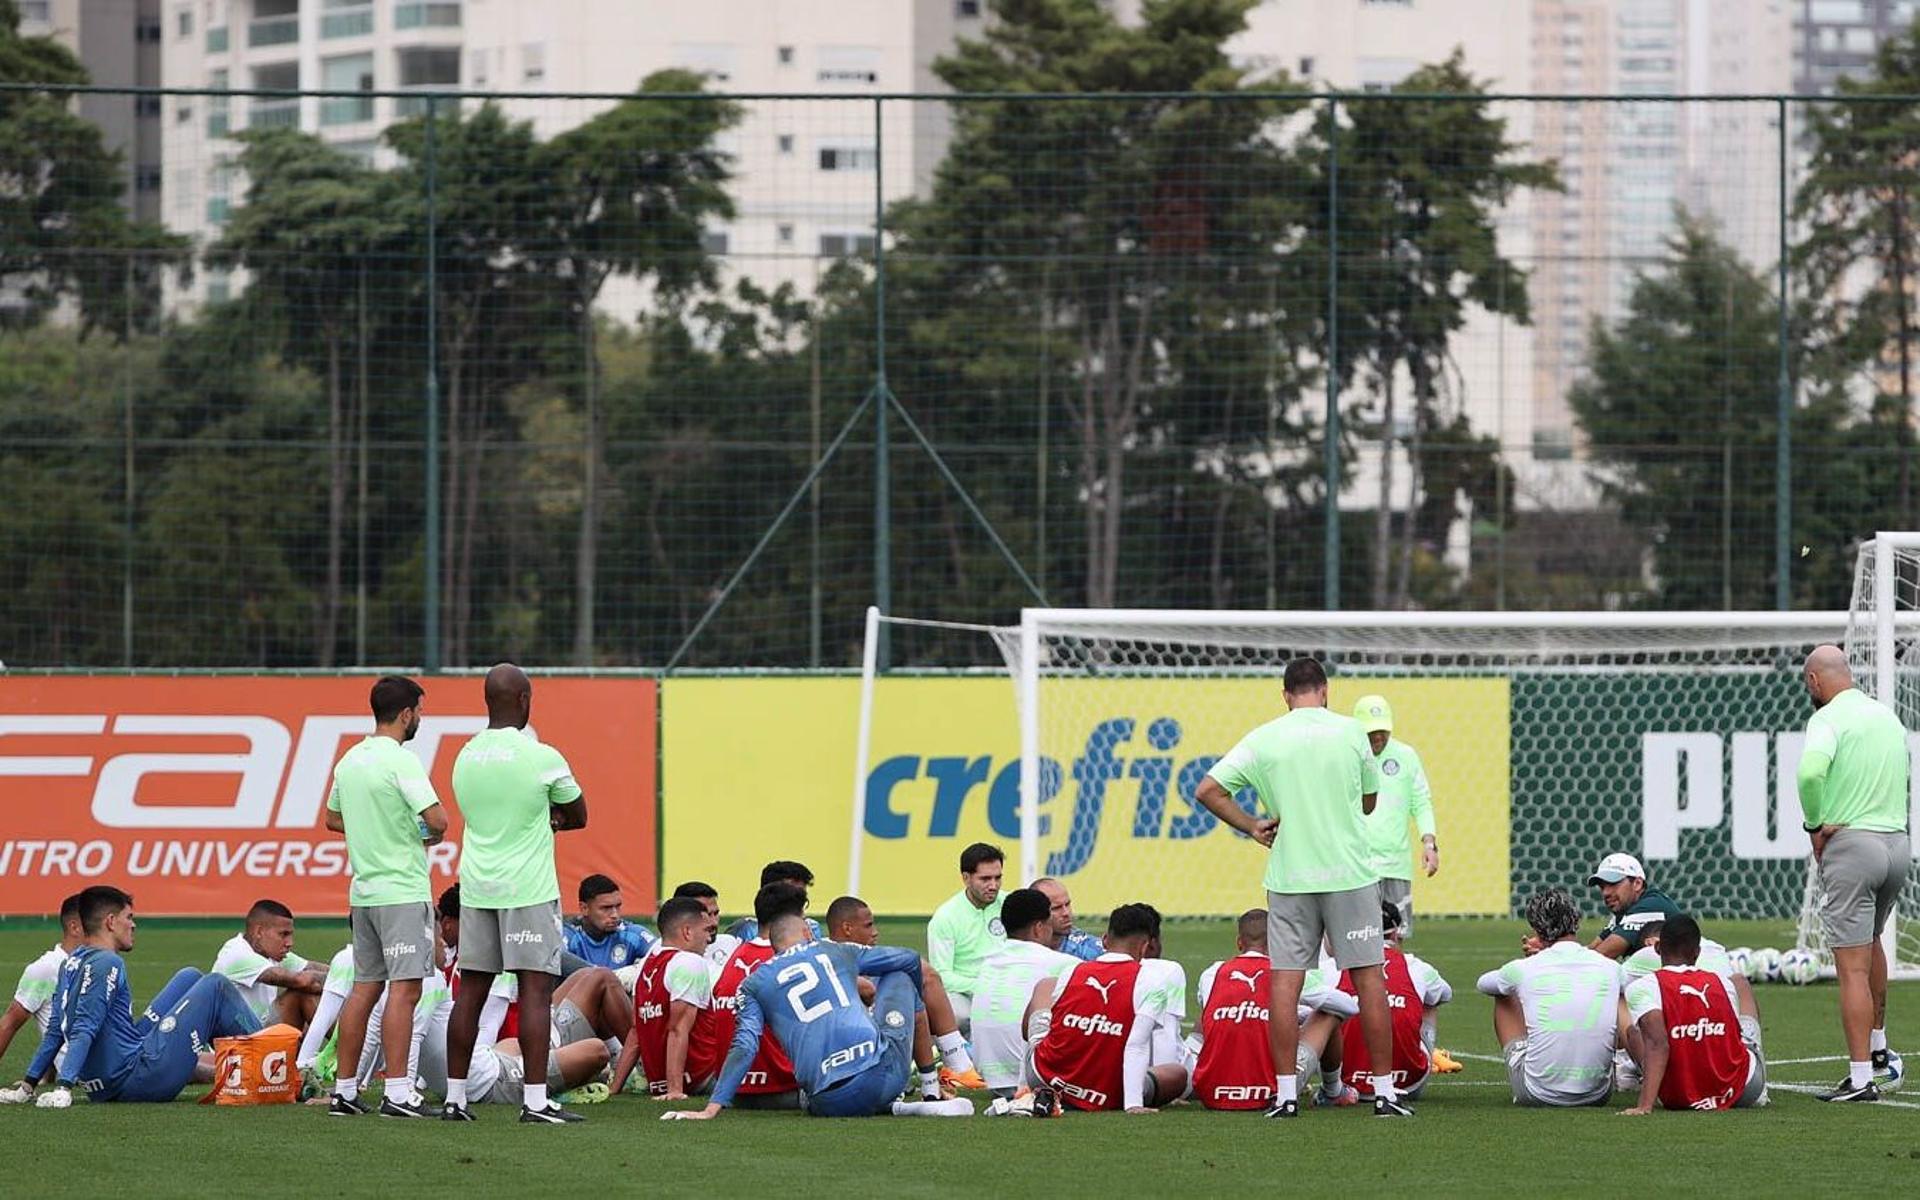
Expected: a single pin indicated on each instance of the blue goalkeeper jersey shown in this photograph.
(747, 929)
(810, 997)
(625, 945)
(93, 1018)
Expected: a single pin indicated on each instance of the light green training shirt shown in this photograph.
(959, 938)
(505, 783)
(1404, 796)
(1309, 768)
(380, 789)
(1853, 771)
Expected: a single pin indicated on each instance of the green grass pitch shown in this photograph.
(1467, 1139)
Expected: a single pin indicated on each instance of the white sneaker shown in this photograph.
(19, 1093)
(57, 1098)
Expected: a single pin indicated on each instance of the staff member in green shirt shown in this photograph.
(967, 928)
(1317, 780)
(1854, 794)
(1404, 796)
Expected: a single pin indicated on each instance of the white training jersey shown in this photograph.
(1317, 993)
(1001, 993)
(37, 985)
(719, 952)
(1713, 957)
(242, 964)
(1571, 998)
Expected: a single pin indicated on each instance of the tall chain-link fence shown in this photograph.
(672, 380)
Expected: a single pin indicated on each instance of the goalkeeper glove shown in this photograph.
(18, 1093)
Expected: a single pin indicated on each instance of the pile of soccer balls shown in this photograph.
(1767, 965)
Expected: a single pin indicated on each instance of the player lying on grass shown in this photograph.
(1555, 1011)
(33, 994)
(1110, 1036)
(849, 1063)
(676, 1035)
(1414, 991)
(93, 1036)
(1686, 1033)
(278, 985)
(1003, 991)
(1231, 1054)
(935, 1026)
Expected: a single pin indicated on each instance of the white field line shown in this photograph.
(1809, 1088)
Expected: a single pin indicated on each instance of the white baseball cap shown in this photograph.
(1615, 867)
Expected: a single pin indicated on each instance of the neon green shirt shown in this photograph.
(1309, 768)
(959, 938)
(1404, 795)
(1853, 771)
(505, 782)
(380, 789)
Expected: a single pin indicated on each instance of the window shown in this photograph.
(183, 23)
(217, 106)
(352, 73)
(346, 18)
(714, 60)
(147, 32)
(217, 40)
(714, 241)
(849, 158)
(36, 10)
(147, 179)
(783, 234)
(786, 56)
(219, 284)
(533, 62)
(966, 10)
(429, 70)
(477, 68)
(275, 112)
(146, 106)
(1306, 66)
(847, 64)
(839, 245)
(183, 112)
(786, 143)
(275, 23)
(417, 16)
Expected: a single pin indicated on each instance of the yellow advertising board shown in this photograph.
(756, 769)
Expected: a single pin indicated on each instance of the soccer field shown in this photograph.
(1467, 1139)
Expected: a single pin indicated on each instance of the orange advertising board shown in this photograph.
(202, 794)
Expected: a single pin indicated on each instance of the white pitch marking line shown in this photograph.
(1809, 1088)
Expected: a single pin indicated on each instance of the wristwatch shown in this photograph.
(1806, 828)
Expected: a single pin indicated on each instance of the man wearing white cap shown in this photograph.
(1404, 797)
(1623, 889)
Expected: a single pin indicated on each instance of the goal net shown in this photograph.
(1883, 645)
(1550, 740)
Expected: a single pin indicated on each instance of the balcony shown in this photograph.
(439, 14)
(217, 40)
(346, 110)
(416, 106)
(273, 31)
(350, 22)
(274, 114)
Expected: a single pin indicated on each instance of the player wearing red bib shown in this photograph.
(1414, 991)
(675, 1031)
(1110, 1038)
(1686, 1033)
(769, 1082)
(1233, 1062)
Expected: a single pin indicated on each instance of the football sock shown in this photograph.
(953, 1048)
(614, 1050)
(400, 1090)
(1383, 1087)
(1877, 1040)
(1859, 1073)
(930, 1083)
(457, 1092)
(1286, 1087)
(960, 1107)
(346, 1089)
(536, 1098)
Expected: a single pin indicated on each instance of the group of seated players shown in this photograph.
(1020, 1003)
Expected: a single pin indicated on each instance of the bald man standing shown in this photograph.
(1853, 792)
(514, 794)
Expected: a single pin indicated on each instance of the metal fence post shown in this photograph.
(1331, 558)
(430, 593)
(1783, 438)
(882, 469)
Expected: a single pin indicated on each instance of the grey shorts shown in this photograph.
(1861, 873)
(1755, 1093)
(496, 940)
(1399, 893)
(1515, 1052)
(511, 1087)
(1349, 920)
(569, 1026)
(392, 941)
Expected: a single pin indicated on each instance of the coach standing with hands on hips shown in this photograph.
(1854, 794)
(1317, 780)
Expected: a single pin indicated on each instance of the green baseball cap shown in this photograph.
(1374, 714)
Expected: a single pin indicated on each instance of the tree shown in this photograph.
(63, 231)
(1860, 258)
(1680, 403)
(311, 219)
(1420, 183)
(635, 188)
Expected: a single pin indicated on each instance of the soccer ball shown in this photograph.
(1799, 967)
(1764, 966)
(1742, 960)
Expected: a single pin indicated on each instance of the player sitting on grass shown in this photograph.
(794, 874)
(1554, 1011)
(721, 945)
(769, 1080)
(848, 1062)
(429, 1025)
(603, 938)
(676, 1031)
(1079, 943)
(1232, 1052)
(277, 984)
(1003, 991)
(1686, 1033)
(1414, 991)
(1111, 1037)
(93, 1037)
(1632, 901)
(934, 1026)
(1713, 957)
(33, 995)
(967, 926)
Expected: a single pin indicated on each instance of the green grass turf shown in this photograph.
(1467, 1139)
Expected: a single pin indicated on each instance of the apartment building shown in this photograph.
(118, 41)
